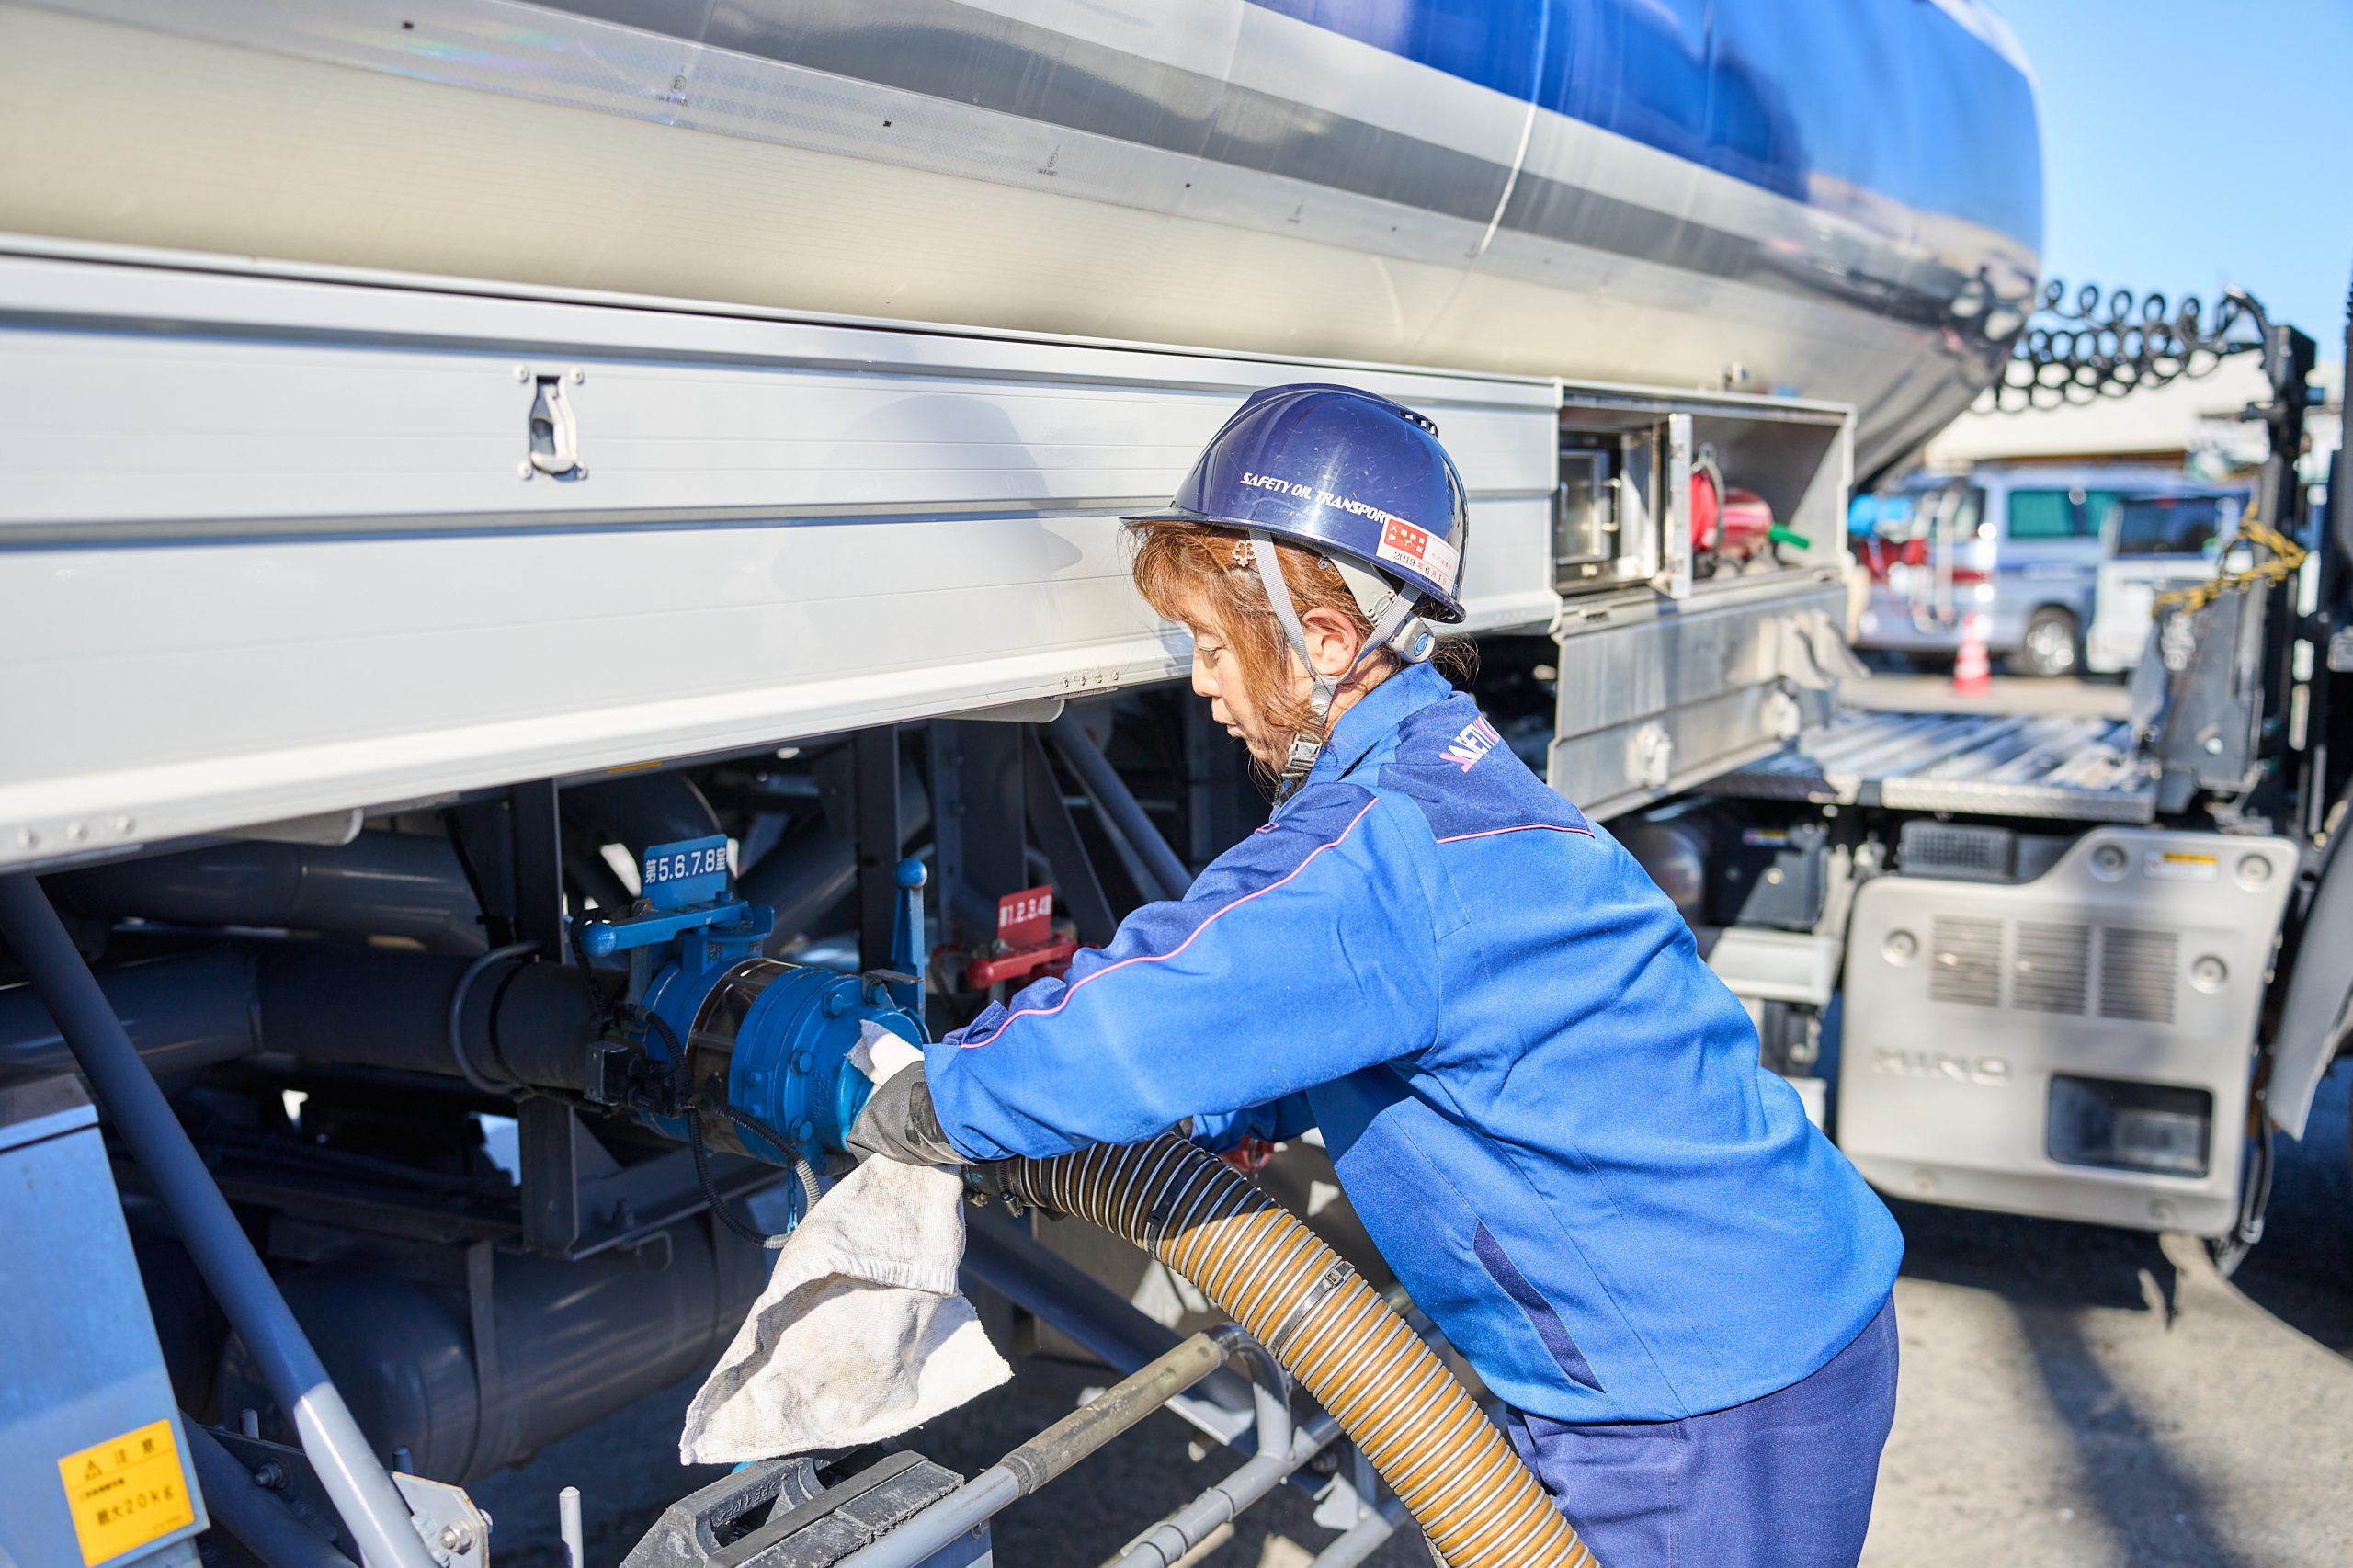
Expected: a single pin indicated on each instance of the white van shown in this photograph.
(2024, 545)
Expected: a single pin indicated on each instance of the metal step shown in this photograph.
(2082, 769)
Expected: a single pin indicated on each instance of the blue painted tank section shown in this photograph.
(1899, 100)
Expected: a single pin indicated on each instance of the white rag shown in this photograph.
(860, 1334)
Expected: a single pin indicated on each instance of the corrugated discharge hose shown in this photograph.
(1454, 1472)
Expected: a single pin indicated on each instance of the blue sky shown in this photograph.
(2163, 163)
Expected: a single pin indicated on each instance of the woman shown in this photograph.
(1547, 1111)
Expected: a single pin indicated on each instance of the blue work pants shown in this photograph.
(1781, 1481)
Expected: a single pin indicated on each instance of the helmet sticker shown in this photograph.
(1418, 550)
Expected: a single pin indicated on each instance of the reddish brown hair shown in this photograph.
(1185, 570)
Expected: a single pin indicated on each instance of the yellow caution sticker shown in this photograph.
(126, 1493)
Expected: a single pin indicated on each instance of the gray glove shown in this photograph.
(899, 1123)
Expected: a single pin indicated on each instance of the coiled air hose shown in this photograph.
(1454, 1472)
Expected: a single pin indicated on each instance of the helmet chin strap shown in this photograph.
(1395, 626)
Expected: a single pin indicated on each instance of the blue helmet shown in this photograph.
(1343, 473)
(1360, 481)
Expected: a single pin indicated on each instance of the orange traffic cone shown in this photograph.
(1972, 669)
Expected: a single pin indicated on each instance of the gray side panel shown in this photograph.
(81, 1374)
(2138, 957)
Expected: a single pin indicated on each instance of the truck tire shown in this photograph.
(2051, 646)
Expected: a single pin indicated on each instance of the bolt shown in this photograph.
(456, 1538)
(837, 1002)
(270, 1476)
(803, 1060)
(76, 832)
(578, 375)
(2161, 1211)
(803, 1130)
(2108, 860)
(1773, 876)
(2254, 870)
(758, 1075)
(2213, 745)
(523, 470)
(124, 826)
(27, 838)
(2208, 972)
(522, 373)
(1902, 946)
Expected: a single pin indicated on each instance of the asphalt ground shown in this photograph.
(2072, 1396)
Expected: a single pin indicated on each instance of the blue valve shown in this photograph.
(907, 955)
(776, 1034)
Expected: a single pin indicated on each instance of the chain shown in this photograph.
(2108, 345)
(2286, 556)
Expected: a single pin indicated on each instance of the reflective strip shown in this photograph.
(1521, 828)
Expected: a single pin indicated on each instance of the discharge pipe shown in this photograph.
(1433, 1446)
(380, 884)
(362, 1493)
(183, 1012)
(519, 1023)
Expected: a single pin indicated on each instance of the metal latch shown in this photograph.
(553, 432)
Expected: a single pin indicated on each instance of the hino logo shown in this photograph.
(1986, 1072)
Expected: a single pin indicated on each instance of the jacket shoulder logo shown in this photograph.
(1476, 740)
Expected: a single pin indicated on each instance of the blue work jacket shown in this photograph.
(1546, 1110)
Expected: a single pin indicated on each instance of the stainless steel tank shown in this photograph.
(1841, 200)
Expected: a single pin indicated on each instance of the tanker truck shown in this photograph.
(561, 558)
